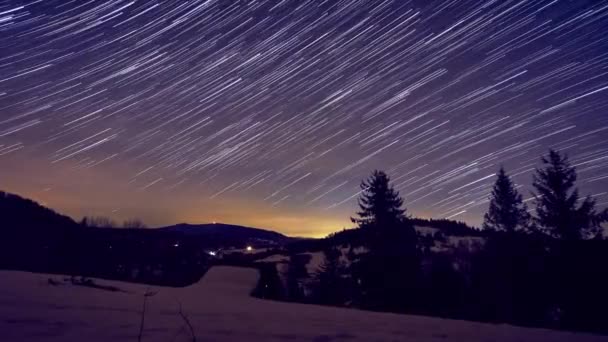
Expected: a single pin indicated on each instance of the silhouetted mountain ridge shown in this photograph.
(227, 231)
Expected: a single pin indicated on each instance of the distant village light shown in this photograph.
(212, 253)
(176, 244)
(249, 248)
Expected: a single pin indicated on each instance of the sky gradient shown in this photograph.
(269, 113)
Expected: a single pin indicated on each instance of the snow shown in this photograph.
(246, 250)
(316, 260)
(426, 230)
(219, 308)
(467, 242)
(278, 258)
(452, 242)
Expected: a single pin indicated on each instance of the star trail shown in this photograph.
(270, 113)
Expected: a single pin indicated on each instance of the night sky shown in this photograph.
(269, 113)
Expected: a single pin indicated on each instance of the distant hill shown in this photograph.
(21, 216)
(18, 214)
(220, 233)
(36, 238)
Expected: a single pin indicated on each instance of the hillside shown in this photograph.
(218, 308)
(430, 231)
(219, 233)
(19, 213)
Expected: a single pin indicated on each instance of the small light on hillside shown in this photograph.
(176, 244)
(212, 253)
(249, 248)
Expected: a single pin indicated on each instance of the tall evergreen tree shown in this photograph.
(380, 204)
(269, 285)
(382, 217)
(330, 285)
(573, 263)
(507, 212)
(557, 201)
(388, 273)
(296, 272)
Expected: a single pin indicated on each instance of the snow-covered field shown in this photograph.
(218, 308)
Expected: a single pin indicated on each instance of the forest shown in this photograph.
(542, 270)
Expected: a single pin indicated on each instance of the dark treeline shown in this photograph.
(454, 228)
(543, 270)
(357, 237)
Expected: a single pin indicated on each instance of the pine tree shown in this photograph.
(380, 205)
(388, 273)
(330, 286)
(507, 212)
(269, 285)
(557, 201)
(296, 272)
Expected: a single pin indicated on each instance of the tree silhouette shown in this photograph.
(575, 276)
(557, 201)
(382, 217)
(506, 273)
(98, 222)
(269, 285)
(388, 273)
(330, 284)
(134, 224)
(506, 212)
(296, 272)
(380, 205)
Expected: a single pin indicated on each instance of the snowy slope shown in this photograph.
(218, 308)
